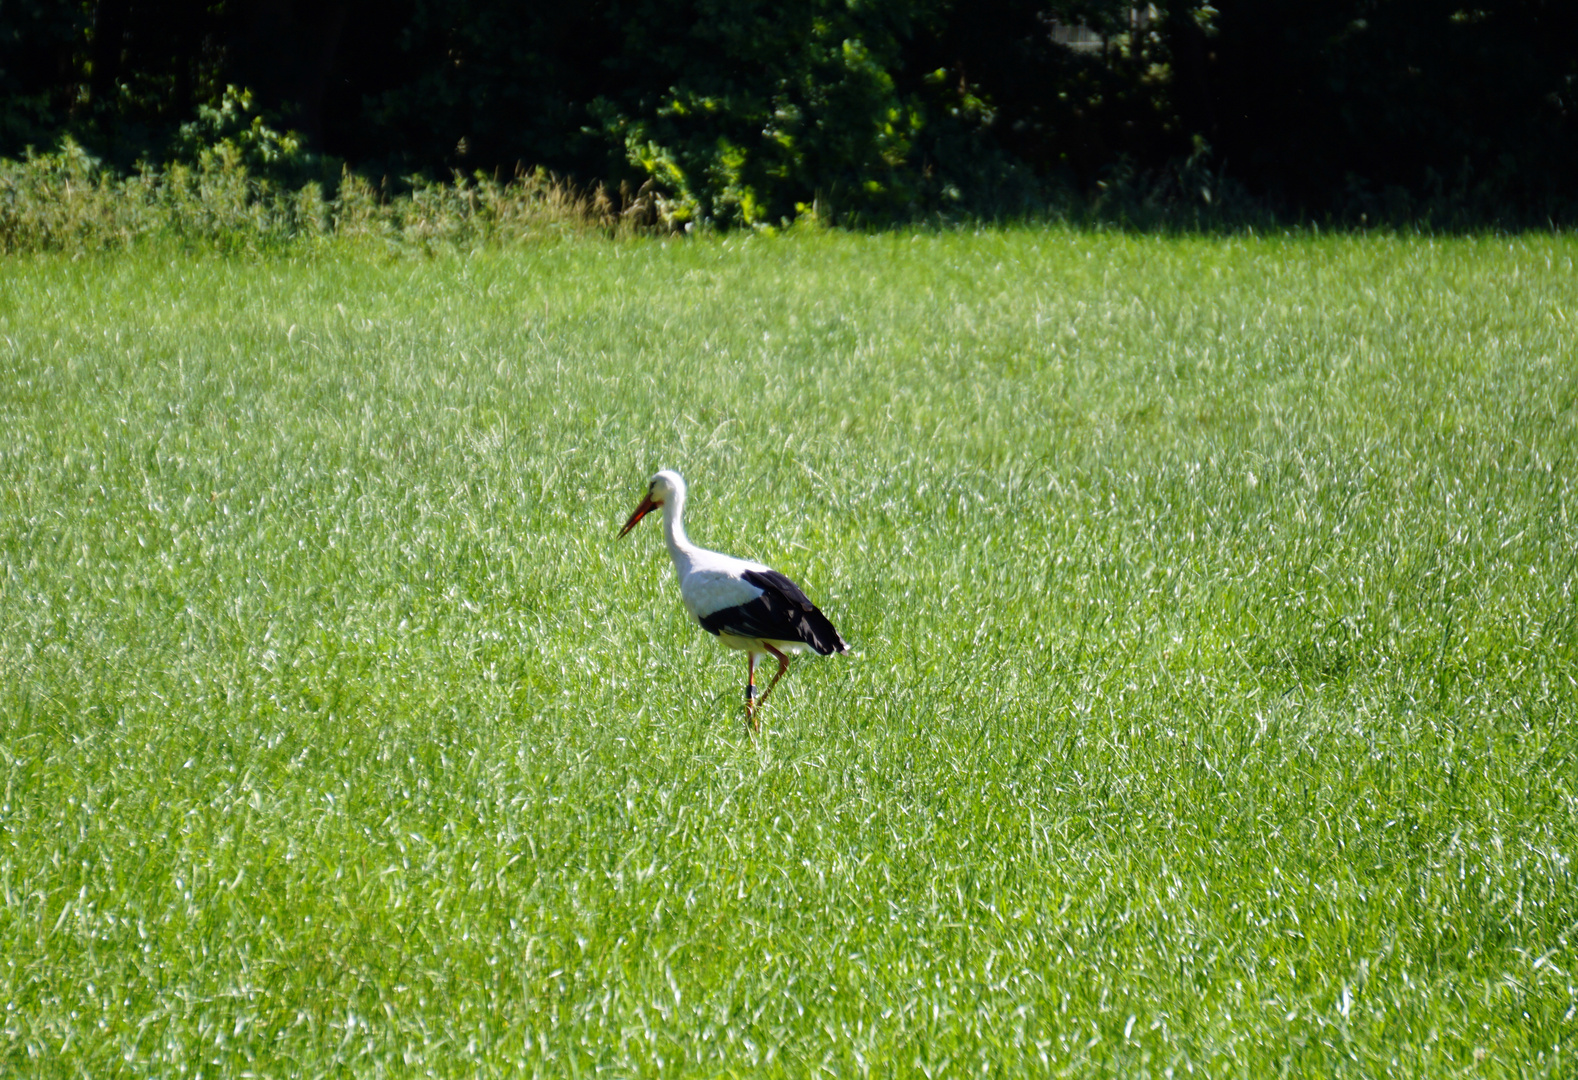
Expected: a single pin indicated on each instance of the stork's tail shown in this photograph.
(818, 632)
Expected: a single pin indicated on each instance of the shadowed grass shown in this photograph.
(1212, 707)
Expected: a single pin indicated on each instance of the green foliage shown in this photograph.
(1213, 703)
(741, 114)
(234, 133)
(67, 201)
(885, 111)
(769, 105)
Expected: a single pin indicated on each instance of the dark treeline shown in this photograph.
(751, 111)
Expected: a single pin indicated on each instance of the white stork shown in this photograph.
(747, 605)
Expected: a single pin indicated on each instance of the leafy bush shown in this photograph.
(235, 132)
(779, 106)
(751, 113)
(68, 201)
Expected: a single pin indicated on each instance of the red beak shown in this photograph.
(646, 507)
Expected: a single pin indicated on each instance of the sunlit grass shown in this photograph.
(1212, 706)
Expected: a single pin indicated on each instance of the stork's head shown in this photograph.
(664, 488)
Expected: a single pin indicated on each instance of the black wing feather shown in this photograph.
(781, 613)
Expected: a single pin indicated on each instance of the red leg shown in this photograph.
(783, 666)
(750, 691)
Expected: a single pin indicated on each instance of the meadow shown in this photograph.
(1211, 710)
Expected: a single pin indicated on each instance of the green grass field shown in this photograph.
(1213, 709)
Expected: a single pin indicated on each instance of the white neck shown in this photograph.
(679, 545)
